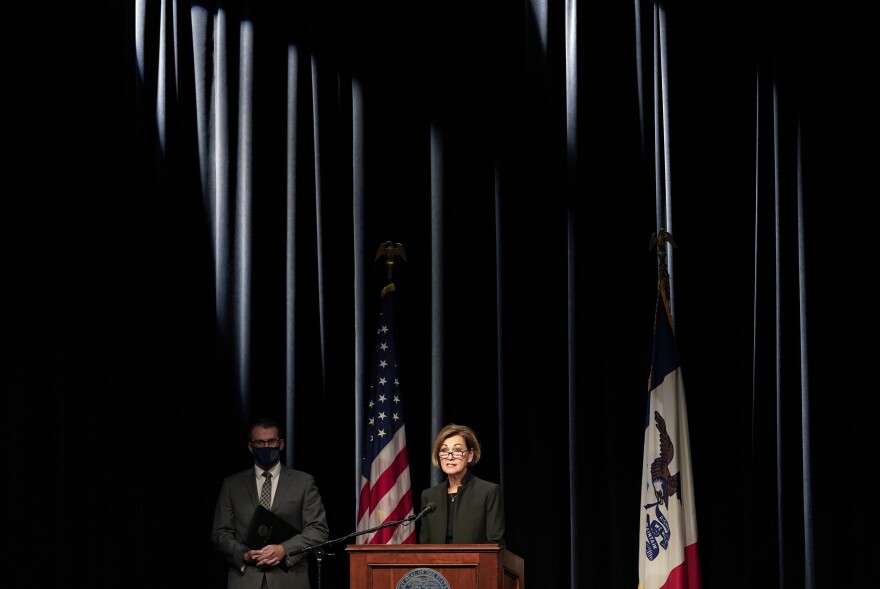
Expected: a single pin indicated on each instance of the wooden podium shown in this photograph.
(463, 566)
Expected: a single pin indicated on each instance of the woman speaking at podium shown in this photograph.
(469, 510)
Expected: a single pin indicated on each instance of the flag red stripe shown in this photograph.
(401, 511)
(388, 479)
(686, 575)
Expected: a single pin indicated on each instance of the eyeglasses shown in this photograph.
(453, 454)
(273, 443)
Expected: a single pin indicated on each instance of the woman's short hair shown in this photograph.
(454, 429)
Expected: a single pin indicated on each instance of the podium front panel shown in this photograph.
(462, 566)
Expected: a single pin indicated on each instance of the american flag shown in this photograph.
(385, 493)
(668, 555)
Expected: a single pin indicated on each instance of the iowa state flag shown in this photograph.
(385, 493)
(668, 555)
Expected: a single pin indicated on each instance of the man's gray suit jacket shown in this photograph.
(297, 501)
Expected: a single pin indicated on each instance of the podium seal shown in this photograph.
(423, 578)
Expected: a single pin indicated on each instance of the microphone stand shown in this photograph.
(319, 551)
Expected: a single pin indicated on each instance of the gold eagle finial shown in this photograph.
(659, 240)
(390, 251)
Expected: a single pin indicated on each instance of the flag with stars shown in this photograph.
(668, 555)
(385, 493)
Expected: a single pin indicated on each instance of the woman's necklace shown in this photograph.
(452, 496)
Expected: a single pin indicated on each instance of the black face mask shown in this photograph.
(267, 457)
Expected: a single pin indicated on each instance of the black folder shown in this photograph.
(267, 528)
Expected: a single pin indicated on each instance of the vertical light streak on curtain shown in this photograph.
(161, 86)
(667, 165)
(499, 319)
(807, 481)
(778, 332)
(658, 119)
(755, 256)
(358, 178)
(640, 84)
(221, 193)
(539, 11)
(757, 251)
(319, 232)
(175, 37)
(437, 286)
(244, 225)
(140, 19)
(290, 249)
(199, 26)
(571, 128)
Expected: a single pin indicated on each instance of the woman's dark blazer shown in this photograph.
(478, 512)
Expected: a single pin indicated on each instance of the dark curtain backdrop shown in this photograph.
(200, 190)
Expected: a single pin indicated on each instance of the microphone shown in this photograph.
(429, 508)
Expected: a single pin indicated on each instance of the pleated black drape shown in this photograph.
(203, 189)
